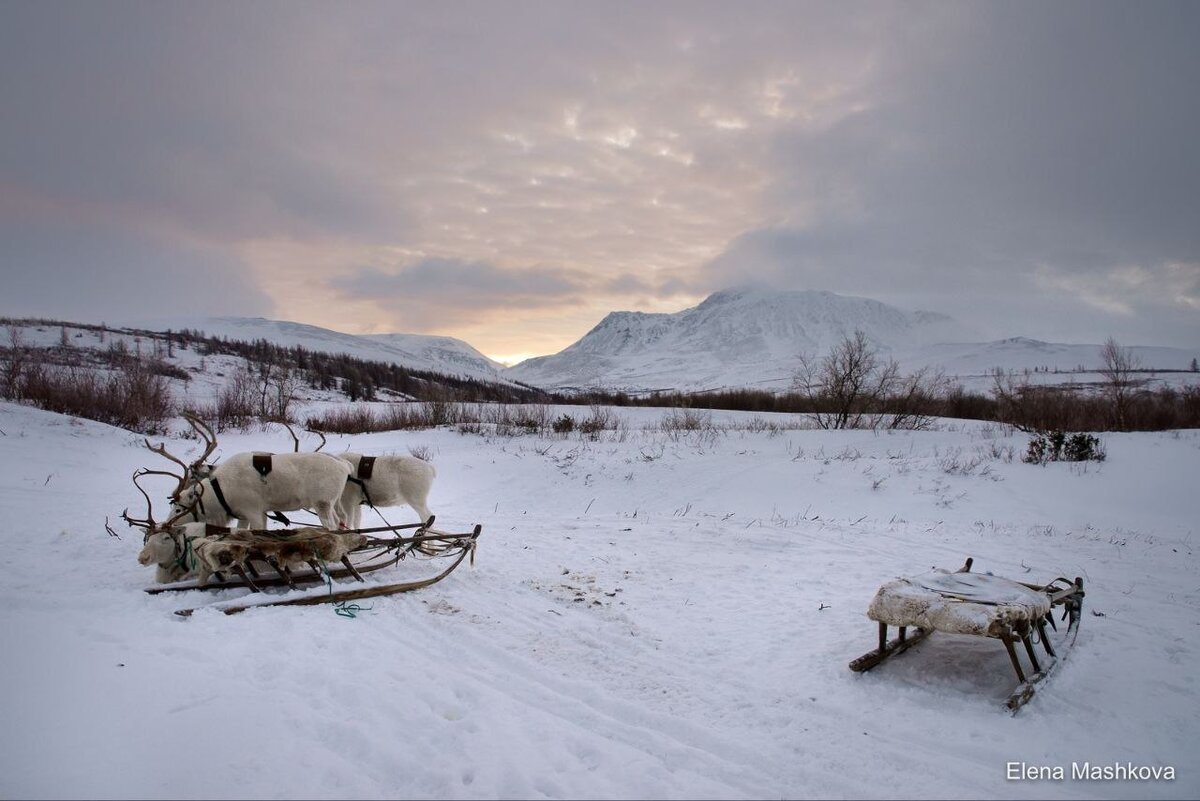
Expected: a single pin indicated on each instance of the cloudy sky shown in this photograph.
(508, 172)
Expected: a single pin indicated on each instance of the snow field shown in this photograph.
(655, 614)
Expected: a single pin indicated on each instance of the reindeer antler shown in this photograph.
(161, 450)
(147, 522)
(193, 469)
(204, 432)
(295, 439)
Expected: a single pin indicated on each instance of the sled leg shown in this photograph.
(1033, 660)
(353, 571)
(282, 571)
(1012, 654)
(242, 575)
(902, 643)
(1041, 627)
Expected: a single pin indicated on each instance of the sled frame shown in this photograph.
(1061, 592)
(374, 554)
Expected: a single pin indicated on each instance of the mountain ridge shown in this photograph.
(739, 337)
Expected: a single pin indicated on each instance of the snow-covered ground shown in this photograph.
(651, 615)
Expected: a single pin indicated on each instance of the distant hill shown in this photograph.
(740, 337)
(755, 339)
(414, 351)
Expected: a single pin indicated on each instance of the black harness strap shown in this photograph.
(366, 465)
(262, 463)
(362, 486)
(221, 498)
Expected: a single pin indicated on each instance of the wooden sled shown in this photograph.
(282, 549)
(982, 605)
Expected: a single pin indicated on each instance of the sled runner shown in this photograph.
(982, 605)
(234, 551)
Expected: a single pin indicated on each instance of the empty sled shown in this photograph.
(976, 604)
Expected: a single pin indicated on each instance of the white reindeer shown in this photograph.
(392, 481)
(167, 548)
(238, 489)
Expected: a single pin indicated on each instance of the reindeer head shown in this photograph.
(165, 544)
(189, 500)
(184, 498)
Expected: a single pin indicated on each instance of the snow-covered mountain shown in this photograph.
(738, 337)
(414, 351)
(735, 338)
(1022, 353)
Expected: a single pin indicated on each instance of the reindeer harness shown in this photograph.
(366, 466)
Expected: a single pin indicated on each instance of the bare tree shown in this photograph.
(14, 363)
(1119, 367)
(847, 386)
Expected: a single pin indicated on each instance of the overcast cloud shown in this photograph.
(509, 172)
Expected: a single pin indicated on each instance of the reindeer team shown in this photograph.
(247, 486)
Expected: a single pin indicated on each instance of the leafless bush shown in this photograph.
(516, 419)
(235, 406)
(599, 420)
(358, 419)
(15, 358)
(686, 419)
(133, 396)
(422, 452)
(854, 387)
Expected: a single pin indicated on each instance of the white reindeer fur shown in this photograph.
(160, 550)
(395, 480)
(297, 481)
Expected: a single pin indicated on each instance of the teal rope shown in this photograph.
(187, 551)
(342, 608)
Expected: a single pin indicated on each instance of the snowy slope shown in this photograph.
(414, 351)
(1020, 353)
(741, 337)
(649, 616)
(755, 338)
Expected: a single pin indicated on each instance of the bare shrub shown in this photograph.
(685, 419)
(358, 419)
(516, 419)
(911, 399)
(16, 356)
(133, 396)
(236, 407)
(854, 387)
(599, 419)
(422, 452)
(345, 420)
